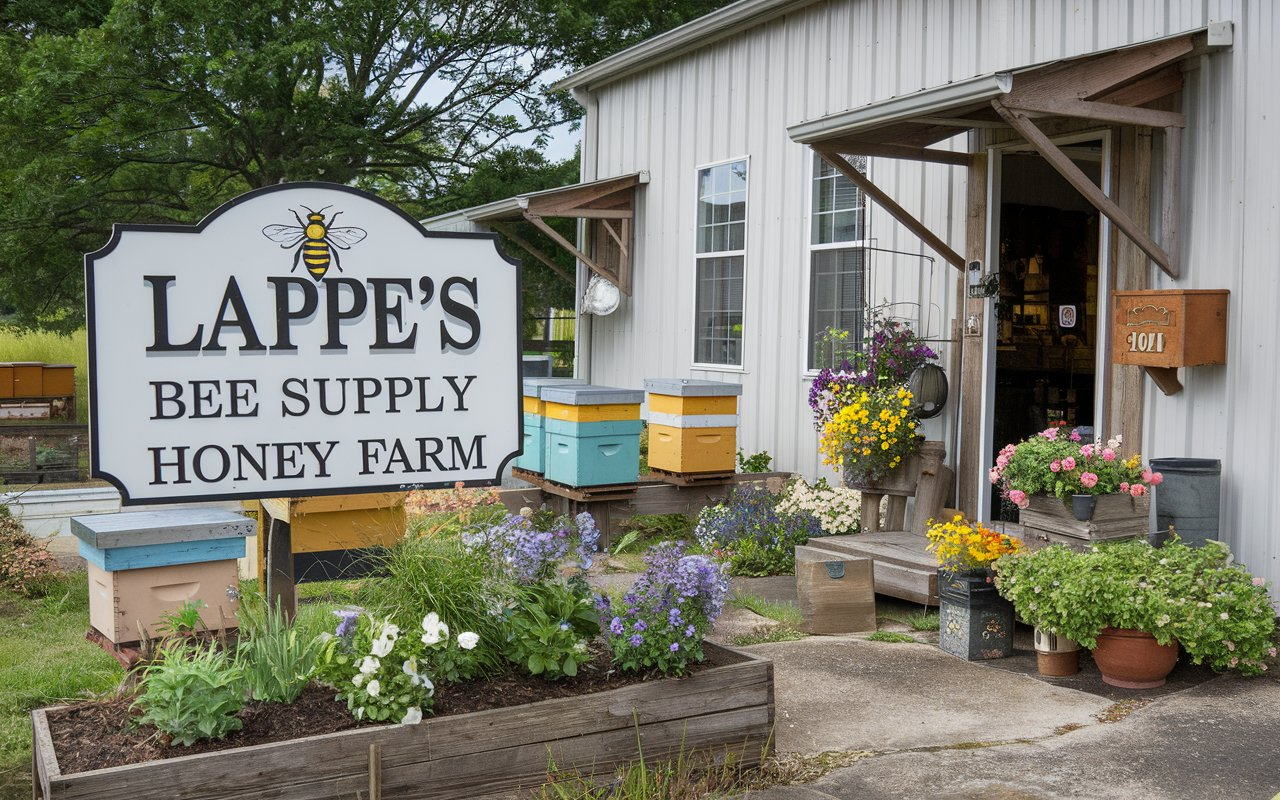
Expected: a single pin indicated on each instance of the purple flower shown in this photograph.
(636, 640)
(689, 631)
(675, 647)
(615, 626)
(347, 625)
(641, 625)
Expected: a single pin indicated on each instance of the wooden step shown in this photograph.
(902, 566)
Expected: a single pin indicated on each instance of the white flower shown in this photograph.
(412, 716)
(370, 665)
(382, 647)
(360, 712)
(373, 688)
(1223, 615)
(468, 640)
(390, 631)
(359, 679)
(434, 629)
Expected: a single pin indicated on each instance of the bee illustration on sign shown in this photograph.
(318, 242)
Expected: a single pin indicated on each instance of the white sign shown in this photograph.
(1066, 316)
(303, 339)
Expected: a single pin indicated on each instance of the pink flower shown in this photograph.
(1086, 450)
(1068, 463)
(1272, 652)
(1089, 480)
(1050, 433)
(1124, 486)
(1258, 581)
(1108, 454)
(1056, 466)
(994, 475)
(1156, 478)
(1002, 461)
(1137, 490)
(1018, 498)
(1075, 436)
(1233, 661)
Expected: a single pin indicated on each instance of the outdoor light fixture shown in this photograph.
(601, 297)
(981, 285)
(928, 385)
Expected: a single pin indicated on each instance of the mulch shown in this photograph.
(101, 733)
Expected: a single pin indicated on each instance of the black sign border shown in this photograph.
(120, 228)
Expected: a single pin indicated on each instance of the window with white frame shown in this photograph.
(721, 254)
(837, 265)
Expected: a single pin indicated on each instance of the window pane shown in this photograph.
(721, 213)
(737, 236)
(719, 311)
(837, 298)
(839, 211)
(848, 226)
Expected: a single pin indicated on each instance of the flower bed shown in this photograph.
(726, 707)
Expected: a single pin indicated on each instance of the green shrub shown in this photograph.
(276, 660)
(549, 627)
(26, 567)
(191, 693)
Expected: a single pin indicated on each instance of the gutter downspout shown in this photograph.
(588, 169)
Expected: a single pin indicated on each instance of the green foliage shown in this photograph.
(26, 567)
(759, 462)
(51, 348)
(442, 574)
(920, 621)
(184, 619)
(892, 637)
(786, 613)
(752, 558)
(276, 660)
(549, 627)
(833, 346)
(652, 528)
(191, 693)
(1220, 613)
(767, 634)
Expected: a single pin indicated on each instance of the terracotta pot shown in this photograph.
(1133, 659)
(1058, 665)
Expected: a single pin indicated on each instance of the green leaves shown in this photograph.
(191, 693)
(548, 629)
(276, 663)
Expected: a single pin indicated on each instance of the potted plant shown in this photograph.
(1072, 487)
(1133, 603)
(975, 623)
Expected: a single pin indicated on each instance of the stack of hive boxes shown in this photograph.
(535, 441)
(145, 564)
(693, 425)
(592, 434)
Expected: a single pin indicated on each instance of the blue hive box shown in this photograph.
(535, 445)
(592, 435)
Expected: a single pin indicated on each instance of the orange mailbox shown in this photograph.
(1170, 328)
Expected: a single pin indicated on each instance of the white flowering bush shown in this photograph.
(383, 672)
(836, 508)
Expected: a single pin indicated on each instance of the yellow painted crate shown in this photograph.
(693, 425)
(333, 523)
(687, 450)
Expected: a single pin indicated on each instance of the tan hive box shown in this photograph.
(1169, 328)
(120, 601)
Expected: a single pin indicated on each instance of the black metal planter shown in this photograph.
(976, 622)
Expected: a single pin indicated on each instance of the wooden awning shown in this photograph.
(608, 205)
(1110, 87)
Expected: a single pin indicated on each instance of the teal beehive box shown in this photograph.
(535, 444)
(592, 435)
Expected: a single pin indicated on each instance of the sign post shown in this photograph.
(303, 339)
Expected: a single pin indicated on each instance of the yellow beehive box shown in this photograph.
(58, 380)
(6, 380)
(28, 379)
(692, 425)
(119, 601)
(322, 528)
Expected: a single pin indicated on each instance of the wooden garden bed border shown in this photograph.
(723, 708)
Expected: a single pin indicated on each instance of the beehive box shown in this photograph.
(28, 379)
(693, 425)
(835, 591)
(145, 564)
(535, 444)
(58, 380)
(330, 536)
(592, 435)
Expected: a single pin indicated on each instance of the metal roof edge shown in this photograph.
(518, 203)
(676, 42)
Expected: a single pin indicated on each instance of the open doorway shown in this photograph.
(1048, 330)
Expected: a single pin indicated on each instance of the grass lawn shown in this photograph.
(44, 658)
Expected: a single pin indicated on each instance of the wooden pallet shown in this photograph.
(581, 494)
(693, 478)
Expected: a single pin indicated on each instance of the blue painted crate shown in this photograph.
(593, 453)
(114, 559)
(535, 444)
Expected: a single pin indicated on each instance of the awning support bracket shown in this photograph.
(509, 232)
(541, 224)
(1081, 182)
(896, 211)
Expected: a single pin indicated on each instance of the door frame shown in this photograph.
(1106, 280)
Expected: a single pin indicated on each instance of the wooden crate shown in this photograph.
(120, 601)
(726, 709)
(28, 379)
(836, 591)
(1170, 328)
(1047, 520)
(690, 450)
(6, 381)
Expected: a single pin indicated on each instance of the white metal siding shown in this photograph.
(735, 98)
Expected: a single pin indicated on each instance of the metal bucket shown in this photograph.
(1189, 497)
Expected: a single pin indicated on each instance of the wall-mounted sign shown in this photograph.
(1067, 316)
(1170, 328)
(303, 339)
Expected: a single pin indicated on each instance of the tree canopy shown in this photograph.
(159, 110)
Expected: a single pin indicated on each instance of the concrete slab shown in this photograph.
(1215, 740)
(843, 693)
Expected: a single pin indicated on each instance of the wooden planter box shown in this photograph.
(1047, 520)
(487, 753)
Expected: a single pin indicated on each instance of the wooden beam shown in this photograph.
(604, 223)
(962, 122)
(1104, 112)
(1088, 78)
(972, 346)
(1171, 194)
(555, 236)
(593, 213)
(529, 248)
(1145, 90)
(896, 211)
(624, 268)
(1076, 177)
(554, 202)
(1131, 170)
(857, 148)
(1166, 378)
